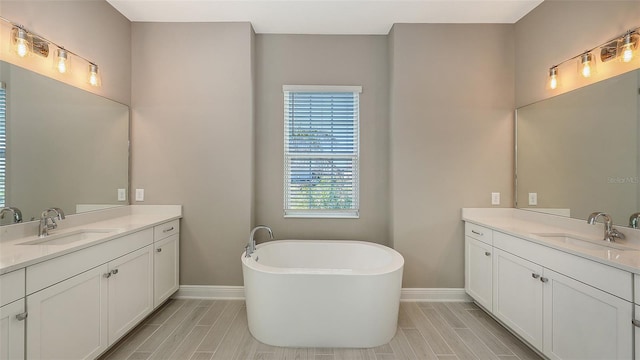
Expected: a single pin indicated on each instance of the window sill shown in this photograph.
(302, 214)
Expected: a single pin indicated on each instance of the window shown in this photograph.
(3, 144)
(321, 151)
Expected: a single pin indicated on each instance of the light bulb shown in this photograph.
(62, 61)
(627, 46)
(22, 48)
(627, 54)
(586, 65)
(553, 78)
(94, 79)
(21, 39)
(586, 70)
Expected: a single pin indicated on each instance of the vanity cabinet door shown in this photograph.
(165, 268)
(517, 295)
(130, 291)
(69, 320)
(582, 322)
(12, 331)
(478, 271)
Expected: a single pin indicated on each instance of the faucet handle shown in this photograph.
(614, 233)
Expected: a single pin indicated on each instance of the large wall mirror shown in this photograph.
(579, 151)
(65, 147)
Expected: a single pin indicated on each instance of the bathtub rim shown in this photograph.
(396, 263)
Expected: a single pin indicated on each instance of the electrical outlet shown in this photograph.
(122, 194)
(533, 198)
(495, 198)
(139, 194)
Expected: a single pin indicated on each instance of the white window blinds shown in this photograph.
(321, 151)
(3, 144)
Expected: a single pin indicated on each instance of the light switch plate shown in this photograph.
(139, 194)
(122, 194)
(495, 198)
(533, 198)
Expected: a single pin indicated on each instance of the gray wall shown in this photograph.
(323, 60)
(451, 140)
(192, 138)
(557, 30)
(90, 28)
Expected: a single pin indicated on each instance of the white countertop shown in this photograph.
(119, 221)
(526, 224)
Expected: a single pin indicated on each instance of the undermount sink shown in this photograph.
(574, 240)
(70, 237)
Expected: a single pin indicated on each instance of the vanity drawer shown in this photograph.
(11, 286)
(47, 273)
(165, 230)
(478, 232)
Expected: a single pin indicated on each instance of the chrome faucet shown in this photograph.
(251, 246)
(16, 214)
(48, 222)
(610, 234)
(634, 219)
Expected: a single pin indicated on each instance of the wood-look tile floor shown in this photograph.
(217, 329)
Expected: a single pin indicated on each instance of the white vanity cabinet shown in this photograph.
(517, 294)
(582, 322)
(69, 320)
(12, 315)
(166, 261)
(130, 290)
(80, 316)
(479, 264)
(12, 331)
(566, 306)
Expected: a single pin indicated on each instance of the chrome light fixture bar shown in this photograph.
(26, 42)
(623, 47)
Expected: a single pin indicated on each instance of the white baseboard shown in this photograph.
(237, 293)
(434, 294)
(210, 292)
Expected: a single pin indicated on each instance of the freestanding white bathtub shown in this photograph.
(322, 293)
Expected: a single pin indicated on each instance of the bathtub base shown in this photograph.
(343, 313)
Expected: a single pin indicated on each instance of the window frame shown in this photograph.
(353, 213)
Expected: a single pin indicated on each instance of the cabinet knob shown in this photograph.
(107, 275)
(535, 276)
(476, 232)
(159, 250)
(167, 230)
(22, 316)
(544, 279)
(114, 271)
(635, 322)
(486, 253)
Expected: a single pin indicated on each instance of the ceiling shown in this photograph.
(325, 16)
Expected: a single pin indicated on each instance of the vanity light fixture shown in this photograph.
(586, 64)
(25, 42)
(21, 42)
(61, 61)
(553, 77)
(624, 48)
(629, 45)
